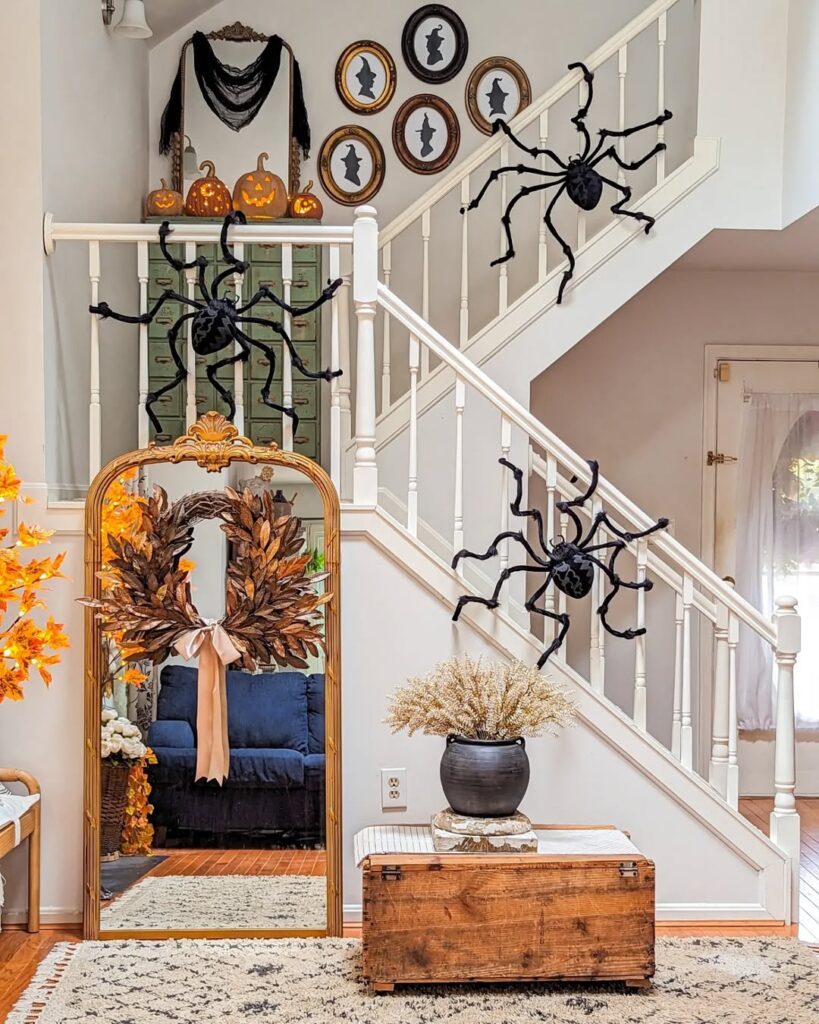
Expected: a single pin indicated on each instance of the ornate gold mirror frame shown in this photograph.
(213, 444)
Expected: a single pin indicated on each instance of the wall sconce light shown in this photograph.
(190, 161)
(133, 24)
(107, 11)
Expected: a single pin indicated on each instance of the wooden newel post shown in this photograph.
(365, 295)
(784, 817)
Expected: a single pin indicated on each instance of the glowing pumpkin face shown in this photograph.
(306, 205)
(260, 194)
(164, 202)
(208, 196)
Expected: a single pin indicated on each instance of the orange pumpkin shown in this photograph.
(208, 196)
(305, 205)
(164, 202)
(260, 194)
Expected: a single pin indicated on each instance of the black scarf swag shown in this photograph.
(235, 95)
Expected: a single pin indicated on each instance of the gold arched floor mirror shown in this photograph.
(212, 693)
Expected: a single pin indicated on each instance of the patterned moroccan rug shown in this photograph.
(182, 902)
(290, 981)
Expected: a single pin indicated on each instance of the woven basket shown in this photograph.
(113, 796)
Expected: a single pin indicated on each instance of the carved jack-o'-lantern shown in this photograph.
(208, 196)
(164, 202)
(306, 205)
(260, 193)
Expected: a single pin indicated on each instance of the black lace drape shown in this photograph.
(235, 95)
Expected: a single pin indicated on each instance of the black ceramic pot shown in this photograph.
(484, 778)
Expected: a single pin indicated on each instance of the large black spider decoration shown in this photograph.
(216, 325)
(569, 564)
(578, 177)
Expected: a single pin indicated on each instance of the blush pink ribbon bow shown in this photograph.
(214, 648)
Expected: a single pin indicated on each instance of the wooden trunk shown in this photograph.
(507, 917)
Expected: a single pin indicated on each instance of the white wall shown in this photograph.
(801, 171)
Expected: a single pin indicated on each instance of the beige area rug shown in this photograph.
(182, 902)
(293, 981)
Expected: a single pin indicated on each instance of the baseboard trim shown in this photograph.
(50, 917)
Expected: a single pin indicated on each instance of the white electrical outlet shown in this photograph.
(393, 789)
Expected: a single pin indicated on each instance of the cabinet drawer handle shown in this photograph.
(268, 245)
(299, 284)
(162, 359)
(165, 281)
(268, 284)
(299, 323)
(301, 401)
(299, 439)
(161, 438)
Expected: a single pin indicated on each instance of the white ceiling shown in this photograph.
(796, 247)
(166, 16)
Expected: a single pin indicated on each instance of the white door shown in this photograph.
(746, 390)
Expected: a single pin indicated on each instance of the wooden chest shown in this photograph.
(571, 911)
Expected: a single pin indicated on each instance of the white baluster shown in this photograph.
(463, 330)
(542, 253)
(596, 649)
(686, 727)
(287, 363)
(732, 779)
(344, 387)
(549, 625)
(503, 550)
(426, 230)
(662, 27)
(581, 215)
(365, 296)
(640, 701)
(622, 68)
(503, 277)
(458, 528)
(143, 434)
(95, 406)
(386, 264)
(335, 356)
(191, 410)
(676, 714)
(562, 602)
(239, 367)
(784, 817)
(412, 475)
(718, 766)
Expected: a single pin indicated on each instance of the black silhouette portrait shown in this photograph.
(352, 165)
(497, 99)
(434, 43)
(366, 77)
(426, 132)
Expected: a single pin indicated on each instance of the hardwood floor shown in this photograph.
(241, 862)
(757, 810)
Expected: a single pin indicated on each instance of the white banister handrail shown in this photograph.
(279, 234)
(529, 114)
(545, 439)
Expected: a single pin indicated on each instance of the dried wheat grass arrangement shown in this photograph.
(480, 700)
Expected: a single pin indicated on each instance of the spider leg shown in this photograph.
(618, 206)
(105, 311)
(616, 584)
(494, 175)
(611, 133)
(165, 229)
(578, 502)
(602, 519)
(500, 125)
(564, 245)
(492, 550)
(265, 293)
(240, 268)
(625, 164)
(287, 410)
(525, 190)
(295, 358)
(181, 373)
(237, 217)
(560, 617)
(224, 393)
(579, 118)
(515, 508)
(492, 602)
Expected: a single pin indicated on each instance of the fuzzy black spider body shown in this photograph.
(569, 564)
(217, 324)
(584, 186)
(579, 177)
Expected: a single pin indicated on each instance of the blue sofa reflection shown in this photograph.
(277, 762)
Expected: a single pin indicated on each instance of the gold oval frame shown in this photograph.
(376, 151)
(408, 107)
(212, 443)
(349, 54)
(512, 68)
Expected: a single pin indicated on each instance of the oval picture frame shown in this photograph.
(456, 39)
(360, 102)
(412, 157)
(477, 99)
(328, 169)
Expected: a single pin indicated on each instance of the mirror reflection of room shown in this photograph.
(213, 806)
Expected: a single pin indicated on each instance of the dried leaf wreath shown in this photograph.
(271, 601)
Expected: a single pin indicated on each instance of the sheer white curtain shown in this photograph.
(777, 535)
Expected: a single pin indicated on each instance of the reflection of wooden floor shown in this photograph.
(240, 862)
(757, 810)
